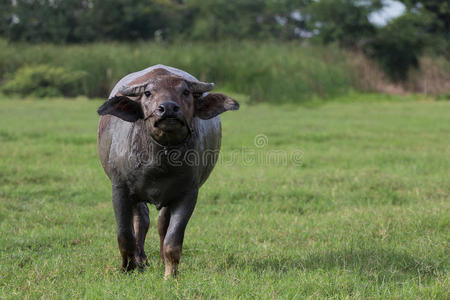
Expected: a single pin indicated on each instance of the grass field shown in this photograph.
(365, 215)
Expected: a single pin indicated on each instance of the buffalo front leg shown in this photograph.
(141, 222)
(163, 224)
(123, 211)
(180, 214)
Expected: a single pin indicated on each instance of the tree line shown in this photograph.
(425, 25)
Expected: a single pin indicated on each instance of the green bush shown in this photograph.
(398, 46)
(44, 81)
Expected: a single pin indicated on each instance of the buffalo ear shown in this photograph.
(214, 104)
(122, 107)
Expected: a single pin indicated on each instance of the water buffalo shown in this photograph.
(153, 119)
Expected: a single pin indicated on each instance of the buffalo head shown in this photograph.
(167, 103)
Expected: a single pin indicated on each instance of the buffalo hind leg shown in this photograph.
(180, 214)
(141, 222)
(123, 212)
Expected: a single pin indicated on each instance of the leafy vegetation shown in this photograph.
(294, 74)
(269, 71)
(365, 215)
(44, 81)
(397, 47)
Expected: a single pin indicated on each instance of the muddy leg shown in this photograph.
(124, 218)
(180, 214)
(163, 223)
(141, 222)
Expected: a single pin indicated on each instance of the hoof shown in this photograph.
(128, 265)
(141, 260)
(171, 272)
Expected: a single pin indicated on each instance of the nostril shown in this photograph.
(176, 108)
(161, 108)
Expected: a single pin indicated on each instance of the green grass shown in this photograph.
(366, 214)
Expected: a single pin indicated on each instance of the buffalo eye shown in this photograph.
(186, 92)
(147, 94)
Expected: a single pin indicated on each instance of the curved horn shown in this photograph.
(134, 90)
(137, 89)
(200, 87)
